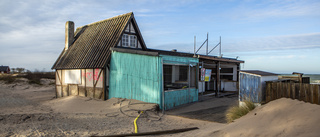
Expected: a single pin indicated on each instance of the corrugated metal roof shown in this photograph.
(258, 72)
(92, 43)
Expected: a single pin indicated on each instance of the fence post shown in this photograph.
(267, 91)
(307, 92)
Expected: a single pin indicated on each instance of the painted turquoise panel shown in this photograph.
(135, 76)
(179, 97)
(179, 60)
(250, 88)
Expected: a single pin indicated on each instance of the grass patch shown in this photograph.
(237, 112)
(33, 77)
(7, 78)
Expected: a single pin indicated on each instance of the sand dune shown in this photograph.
(282, 117)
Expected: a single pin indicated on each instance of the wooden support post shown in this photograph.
(85, 83)
(217, 79)
(94, 87)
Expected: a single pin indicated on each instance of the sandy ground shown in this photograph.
(31, 110)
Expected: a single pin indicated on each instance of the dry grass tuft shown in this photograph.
(237, 112)
(7, 78)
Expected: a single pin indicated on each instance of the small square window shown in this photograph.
(133, 41)
(125, 40)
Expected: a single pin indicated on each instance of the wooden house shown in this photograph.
(83, 65)
(5, 69)
(109, 59)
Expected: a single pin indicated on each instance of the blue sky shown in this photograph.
(279, 36)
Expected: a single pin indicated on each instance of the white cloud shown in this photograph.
(272, 9)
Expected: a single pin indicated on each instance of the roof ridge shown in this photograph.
(118, 16)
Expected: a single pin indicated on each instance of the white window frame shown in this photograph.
(129, 41)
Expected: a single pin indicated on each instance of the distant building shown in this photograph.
(5, 69)
(252, 85)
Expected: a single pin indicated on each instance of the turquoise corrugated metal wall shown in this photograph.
(179, 97)
(139, 77)
(134, 76)
(250, 88)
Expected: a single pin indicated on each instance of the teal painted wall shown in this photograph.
(179, 60)
(139, 77)
(135, 76)
(179, 97)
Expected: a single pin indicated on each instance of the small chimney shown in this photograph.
(69, 34)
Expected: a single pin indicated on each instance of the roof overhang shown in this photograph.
(213, 58)
(135, 51)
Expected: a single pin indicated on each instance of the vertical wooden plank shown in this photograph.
(301, 93)
(318, 91)
(268, 92)
(307, 92)
(285, 90)
(293, 91)
(274, 91)
(278, 91)
(288, 90)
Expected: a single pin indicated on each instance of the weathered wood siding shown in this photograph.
(90, 84)
(301, 91)
(135, 76)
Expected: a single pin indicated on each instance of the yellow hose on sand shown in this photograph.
(135, 123)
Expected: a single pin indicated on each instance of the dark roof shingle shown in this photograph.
(92, 43)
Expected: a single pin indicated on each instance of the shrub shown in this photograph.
(34, 78)
(7, 78)
(237, 112)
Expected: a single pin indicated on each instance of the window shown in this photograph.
(125, 40)
(72, 76)
(183, 70)
(177, 77)
(133, 41)
(226, 70)
(129, 41)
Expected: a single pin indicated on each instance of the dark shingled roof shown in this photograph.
(91, 47)
(258, 72)
(4, 68)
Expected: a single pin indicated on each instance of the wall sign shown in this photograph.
(207, 75)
